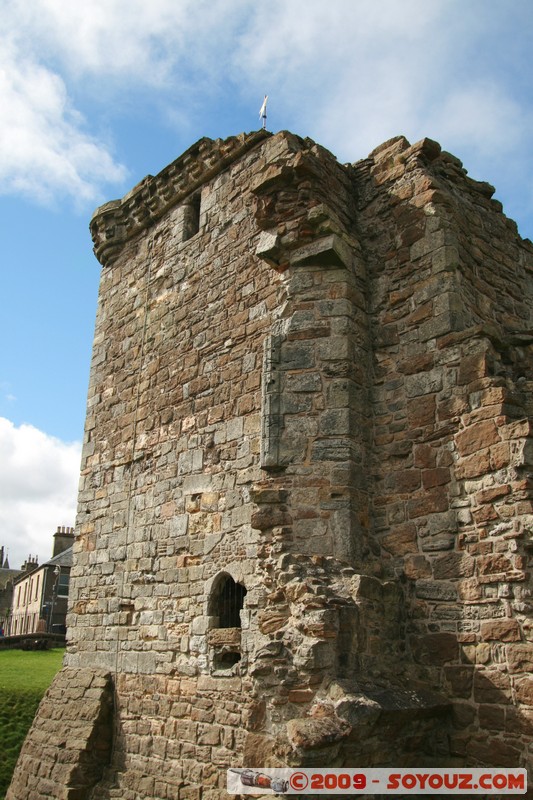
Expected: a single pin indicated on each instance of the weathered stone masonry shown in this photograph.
(305, 509)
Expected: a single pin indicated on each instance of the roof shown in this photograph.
(7, 575)
(63, 559)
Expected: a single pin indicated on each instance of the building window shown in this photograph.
(226, 604)
(191, 216)
(227, 601)
(62, 585)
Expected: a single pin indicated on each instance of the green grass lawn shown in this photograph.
(24, 678)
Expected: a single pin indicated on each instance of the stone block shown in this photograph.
(416, 567)
(503, 630)
(435, 477)
(453, 565)
(432, 501)
(520, 657)
(475, 465)
(519, 720)
(435, 649)
(329, 251)
(311, 734)
(492, 717)
(333, 450)
(269, 248)
(425, 383)
(501, 752)
(477, 437)
(335, 422)
(403, 481)
(493, 564)
(303, 382)
(228, 637)
(524, 690)
(436, 590)
(401, 540)
(422, 411)
(492, 686)
(460, 679)
(298, 355)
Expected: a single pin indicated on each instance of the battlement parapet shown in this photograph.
(114, 223)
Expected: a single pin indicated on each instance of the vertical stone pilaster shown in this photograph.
(271, 413)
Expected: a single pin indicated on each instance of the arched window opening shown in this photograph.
(224, 637)
(227, 602)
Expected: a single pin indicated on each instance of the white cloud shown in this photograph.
(349, 73)
(38, 489)
(44, 148)
(128, 39)
(6, 393)
(311, 40)
(485, 114)
(52, 52)
(353, 73)
(377, 68)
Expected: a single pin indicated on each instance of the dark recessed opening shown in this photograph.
(191, 217)
(226, 660)
(227, 601)
(224, 608)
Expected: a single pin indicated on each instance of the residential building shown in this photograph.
(7, 576)
(41, 592)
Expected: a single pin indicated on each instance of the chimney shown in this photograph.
(31, 563)
(63, 539)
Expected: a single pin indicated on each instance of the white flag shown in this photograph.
(262, 112)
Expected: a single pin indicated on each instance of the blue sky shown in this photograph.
(94, 96)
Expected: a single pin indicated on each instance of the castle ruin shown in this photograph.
(306, 502)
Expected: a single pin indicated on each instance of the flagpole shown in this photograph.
(263, 112)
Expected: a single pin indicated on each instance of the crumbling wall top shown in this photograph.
(114, 223)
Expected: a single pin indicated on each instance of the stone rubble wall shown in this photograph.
(452, 401)
(315, 379)
(69, 744)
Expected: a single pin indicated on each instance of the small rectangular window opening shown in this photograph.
(191, 216)
(225, 661)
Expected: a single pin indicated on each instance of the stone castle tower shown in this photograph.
(305, 509)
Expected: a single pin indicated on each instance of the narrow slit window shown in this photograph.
(191, 216)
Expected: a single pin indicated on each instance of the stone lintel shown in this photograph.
(328, 251)
(224, 637)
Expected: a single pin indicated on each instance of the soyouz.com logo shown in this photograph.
(379, 781)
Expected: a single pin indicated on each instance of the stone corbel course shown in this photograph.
(114, 223)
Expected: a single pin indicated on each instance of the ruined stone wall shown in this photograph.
(313, 379)
(452, 397)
